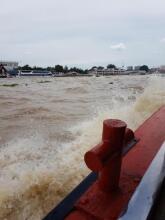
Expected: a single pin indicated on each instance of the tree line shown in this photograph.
(112, 66)
(65, 69)
(56, 68)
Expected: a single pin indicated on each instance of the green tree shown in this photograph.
(65, 69)
(75, 69)
(49, 68)
(100, 68)
(94, 67)
(59, 68)
(144, 68)
(111, 66)
(26, 67)
(37, 68)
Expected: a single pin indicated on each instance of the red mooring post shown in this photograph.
(139, 150)
(106, 157)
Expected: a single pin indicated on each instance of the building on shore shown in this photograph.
(154, 70)
(9, 65)
(162, 69)
(157, 70)
(129, 68)
(106, 71)
(118, 71)
(137, 68)
(3, 71)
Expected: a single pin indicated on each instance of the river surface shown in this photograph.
(46, 126)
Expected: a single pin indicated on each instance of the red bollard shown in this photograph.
(106, 157)
(129, 136)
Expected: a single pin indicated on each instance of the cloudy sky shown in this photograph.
(83, 32)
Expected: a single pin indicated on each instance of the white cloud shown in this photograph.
(120, 46)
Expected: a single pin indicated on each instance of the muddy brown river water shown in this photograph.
(46, 126)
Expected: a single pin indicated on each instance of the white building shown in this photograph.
(162, 69)
(109, 71)
(9, 65)
(136, 68)
(129, 68)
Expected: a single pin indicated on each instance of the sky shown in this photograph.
(83, 33)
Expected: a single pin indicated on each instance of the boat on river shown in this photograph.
(35, 73)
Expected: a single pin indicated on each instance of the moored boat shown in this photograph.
(35, 73)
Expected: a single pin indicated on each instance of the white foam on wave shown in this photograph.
(36, 173)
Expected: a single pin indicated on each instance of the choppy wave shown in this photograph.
(76, 89)
(36, 172)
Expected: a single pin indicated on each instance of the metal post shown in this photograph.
(106, 157)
